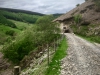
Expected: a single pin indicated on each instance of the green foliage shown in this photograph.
(10, 32)
(57, 15)
(54, 66)
(6, 22)
(47, 27)
(20, 16)
(4, 37)
(83, 31)
(43, 32)
(21, 25)
(97, 2)
(77, 18)
(78, 5)
(16, 50)
(91, 38)
(4, 29)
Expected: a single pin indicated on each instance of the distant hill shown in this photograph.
(21, 11)
(20, 15)
(57, 15)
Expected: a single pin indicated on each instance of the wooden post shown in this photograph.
(17, 70)
(54, 45)
(48, 52)
(57, 41)
(62, 36)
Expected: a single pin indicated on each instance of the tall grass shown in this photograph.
(4, 37)
(54, 66)
(91, 38)
(21, 25)
(83, 30)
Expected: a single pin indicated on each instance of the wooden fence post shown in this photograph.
(48, 52)
(54, 45)
(17, 70)
(57, 41)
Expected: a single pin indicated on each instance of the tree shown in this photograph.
(78, 5)
(48, 29)
(41, 33)
(46, 26)
(77, 19)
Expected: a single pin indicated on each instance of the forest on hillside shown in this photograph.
(20, 16)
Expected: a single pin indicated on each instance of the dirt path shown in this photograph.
(83, 57)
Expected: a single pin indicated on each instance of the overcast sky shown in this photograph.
(41, 6)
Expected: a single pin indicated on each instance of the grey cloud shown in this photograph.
(42, 6)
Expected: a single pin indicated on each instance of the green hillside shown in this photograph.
(13, 21)
(27, 35)
(4, 21)
(30, 38)
(7, 33)
(21, 11)
(23, 17)
(20, 25)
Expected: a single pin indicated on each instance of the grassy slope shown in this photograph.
(92, 39)
(88, 32)
(6, 28)
(54, 66)
(20, 16)
(3, 30)
(20, 25)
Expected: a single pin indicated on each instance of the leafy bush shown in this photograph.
(78, 5)
(41, 33)
(10, 32)
(15, 51)
(77, 18)
(6, 22)
(47, 27)
(83, 32)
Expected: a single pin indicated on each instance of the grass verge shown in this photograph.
(54, 66)
(21, 25)
(92, 39)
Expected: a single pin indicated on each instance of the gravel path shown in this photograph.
(83, 57)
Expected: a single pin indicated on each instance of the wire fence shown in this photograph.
(48, 47)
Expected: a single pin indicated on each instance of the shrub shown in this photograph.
(42, 33)
(10, 32)
(15, 51)
(77, 19)
(78, 5)
(97, 2)
(6, 22)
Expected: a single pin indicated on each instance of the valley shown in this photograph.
(22, 34)
(55, 44)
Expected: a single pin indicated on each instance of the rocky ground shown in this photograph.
(83, 57)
